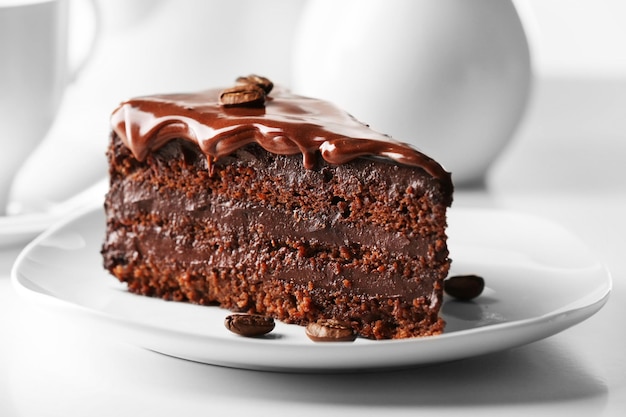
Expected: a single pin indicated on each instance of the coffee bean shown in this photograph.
(464, 287)
(243, 95)
(262, 82)
(249, 325)
(330, 331)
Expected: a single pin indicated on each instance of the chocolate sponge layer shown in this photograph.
(362, 242)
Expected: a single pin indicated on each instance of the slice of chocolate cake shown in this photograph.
(265, 202)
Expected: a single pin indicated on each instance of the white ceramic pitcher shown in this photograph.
(452, 77)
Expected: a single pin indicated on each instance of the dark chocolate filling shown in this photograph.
(238, 220)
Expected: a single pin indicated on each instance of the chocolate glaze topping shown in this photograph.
(285, 124)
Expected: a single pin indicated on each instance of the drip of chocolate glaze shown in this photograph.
(287, 124)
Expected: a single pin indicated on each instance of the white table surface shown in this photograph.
(48, 368)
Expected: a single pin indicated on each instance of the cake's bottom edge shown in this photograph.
(371, 316)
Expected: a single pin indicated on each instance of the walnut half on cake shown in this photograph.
(270, 203)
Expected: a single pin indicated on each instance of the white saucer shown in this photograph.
(20, 228)
(540, 280)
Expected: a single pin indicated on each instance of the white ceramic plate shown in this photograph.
(540, 280)
(20, 228)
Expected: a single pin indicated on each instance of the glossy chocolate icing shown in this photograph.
(286, 124)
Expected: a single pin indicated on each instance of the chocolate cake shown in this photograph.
(261, 201)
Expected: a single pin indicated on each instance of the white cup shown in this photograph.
(34, 72)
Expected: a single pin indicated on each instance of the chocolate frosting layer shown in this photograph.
(286, 124)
